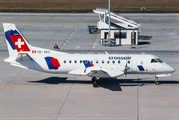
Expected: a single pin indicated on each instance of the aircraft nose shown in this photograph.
(171, 69)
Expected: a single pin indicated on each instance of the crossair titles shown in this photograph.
(119, 58)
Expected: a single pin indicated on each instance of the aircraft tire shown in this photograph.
(95, 84)
(156, 83)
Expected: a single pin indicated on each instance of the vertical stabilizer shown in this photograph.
(16, 42)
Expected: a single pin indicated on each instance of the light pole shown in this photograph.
(109, 21)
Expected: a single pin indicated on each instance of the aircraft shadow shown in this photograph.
(59, 80)
(105, 83)
(112, 84)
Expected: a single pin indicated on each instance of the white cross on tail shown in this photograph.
(19, 43)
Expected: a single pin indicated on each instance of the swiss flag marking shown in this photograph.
(19, 43)
(33, 51)
(55, 62)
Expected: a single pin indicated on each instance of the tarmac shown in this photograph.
(32, 95)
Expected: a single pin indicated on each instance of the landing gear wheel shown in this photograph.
(156, 81)
(94, 80)
(95, 84)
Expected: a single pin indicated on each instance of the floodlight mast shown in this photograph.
(109, 21)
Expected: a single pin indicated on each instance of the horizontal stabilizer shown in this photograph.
(19, 65)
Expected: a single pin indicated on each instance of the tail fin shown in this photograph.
(16, 42)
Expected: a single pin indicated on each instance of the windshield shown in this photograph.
(156, 60)
(159, 60)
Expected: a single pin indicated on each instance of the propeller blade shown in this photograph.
(127, 68)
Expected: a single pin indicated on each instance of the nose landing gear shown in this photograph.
(156, 80)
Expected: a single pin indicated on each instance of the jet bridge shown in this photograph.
(125, 31)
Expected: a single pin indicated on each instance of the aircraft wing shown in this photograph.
(106, 71)
(100, 71)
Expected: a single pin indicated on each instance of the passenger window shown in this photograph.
(75, 61)
(91, 61)
(119, 62)
(102, 61)
(81, 61)
(113, 61)
(108, 61)
(128, 62)
(64, 61)
(96, 61)
(154, 61)
(69, 61)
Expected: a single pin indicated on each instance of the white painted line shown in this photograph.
(67, 39)
(62, 118)
(77, 47)
(98, 118)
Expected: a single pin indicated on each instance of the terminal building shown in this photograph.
(123, 31)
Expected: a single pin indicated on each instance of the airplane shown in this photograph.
(23, 54)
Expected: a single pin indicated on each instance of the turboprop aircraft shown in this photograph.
(24, 55)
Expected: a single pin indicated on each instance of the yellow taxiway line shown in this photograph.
(1, 41)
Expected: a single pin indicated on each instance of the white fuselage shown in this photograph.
(22, 54)
(138, 64)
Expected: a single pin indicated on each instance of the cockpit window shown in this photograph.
(154, 61)
(159, 60)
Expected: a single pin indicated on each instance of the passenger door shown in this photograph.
(134, 65)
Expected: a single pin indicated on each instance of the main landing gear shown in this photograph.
(94, 80)
(156, 80)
